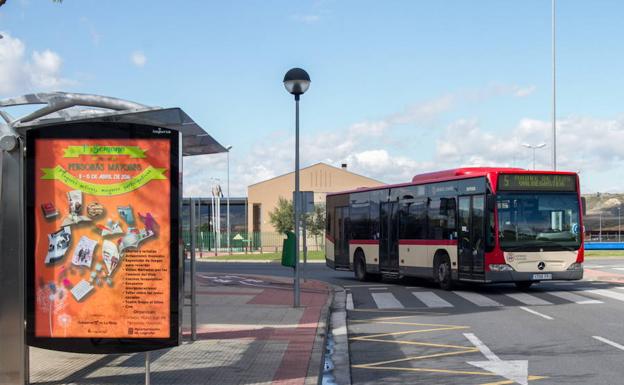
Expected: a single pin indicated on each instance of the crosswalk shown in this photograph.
(397, 297)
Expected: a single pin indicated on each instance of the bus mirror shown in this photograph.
(584, 206)
(491, 202)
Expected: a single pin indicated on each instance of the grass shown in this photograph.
(312, 256)
(604, 253)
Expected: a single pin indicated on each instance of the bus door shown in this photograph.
(471, 236)
(389, 236)
(341, 247)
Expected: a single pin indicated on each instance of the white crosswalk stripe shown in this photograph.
(431, 299)
(386, 301)
(349, 301)
(477, 299)
(569, 296)
(527, 299)
(607, 293)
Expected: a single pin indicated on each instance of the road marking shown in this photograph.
(609, 342)
(387, 301)
(365, 285)
(607, 293)
(378, 288)
(477, 299)
(528, 299)
(568, 296)
(618, 268)
(599, 283)
(349, 301)
(536, 313)
(431, 299)
(514, 370)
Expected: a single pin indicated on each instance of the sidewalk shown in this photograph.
(248, 333)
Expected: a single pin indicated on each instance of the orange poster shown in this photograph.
(102, 214)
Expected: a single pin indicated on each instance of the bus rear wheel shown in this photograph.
(443, 272)
(359, 267)
(523, 285)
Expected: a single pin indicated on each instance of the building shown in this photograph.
(206, 227)
(320, 178)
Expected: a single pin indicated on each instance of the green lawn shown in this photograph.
(312, 255)
(604, 253)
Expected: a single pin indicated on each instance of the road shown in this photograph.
(410, 332)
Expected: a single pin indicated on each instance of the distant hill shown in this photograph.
(605, 205)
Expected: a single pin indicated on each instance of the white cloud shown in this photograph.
(138, 58)
(524, 91)
(370, 147)
(306, 18)
(20, 74)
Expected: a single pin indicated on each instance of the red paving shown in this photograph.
(597, 275)
(294, 366)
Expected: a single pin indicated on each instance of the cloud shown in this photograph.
(373, 147)
(22, 74)
(138, 59)
(306, 18)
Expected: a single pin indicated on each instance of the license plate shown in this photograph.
(537, 277)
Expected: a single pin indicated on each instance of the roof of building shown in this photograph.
(317, 165)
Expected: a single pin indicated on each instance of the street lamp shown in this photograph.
(297, 82)
(619, 224)
(541, 145)
(228, 148)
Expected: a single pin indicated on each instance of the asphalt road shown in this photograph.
(410, 332)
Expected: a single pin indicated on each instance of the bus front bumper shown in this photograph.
(516, 276)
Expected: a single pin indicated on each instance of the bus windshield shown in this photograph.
(545, 220)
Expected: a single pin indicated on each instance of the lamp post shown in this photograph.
(228, 148)
(619, 224)
(297, 82)
(541, 145)
(554, 91)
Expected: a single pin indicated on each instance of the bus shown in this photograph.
(482, 225)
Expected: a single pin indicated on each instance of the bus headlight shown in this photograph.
(503, 267)
(576, 266)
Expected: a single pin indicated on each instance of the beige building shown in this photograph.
(320, 178)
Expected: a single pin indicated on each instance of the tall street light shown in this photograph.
(554, 91)
(541, 145)
(228, 148)
(296, 82)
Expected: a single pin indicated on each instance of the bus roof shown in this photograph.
(456, 173)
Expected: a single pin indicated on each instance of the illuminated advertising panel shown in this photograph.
(536, 182)
(102, 231)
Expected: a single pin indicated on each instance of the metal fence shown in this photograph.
(241, 241)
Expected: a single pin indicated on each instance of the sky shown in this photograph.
(398, 88)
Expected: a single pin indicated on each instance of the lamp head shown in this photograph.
(296, 81)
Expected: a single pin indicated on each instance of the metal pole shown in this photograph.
(305, 248)
(619, 226)
(201, 237)
(600, 229)
(296, 204)
(554, 93)
(534, 148)
(228, 203)
(147, 368)
(214, 222)
(193, 271)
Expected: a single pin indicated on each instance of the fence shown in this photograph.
(241, 241)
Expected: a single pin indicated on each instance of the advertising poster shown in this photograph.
(101, 228)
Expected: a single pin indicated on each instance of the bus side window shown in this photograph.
(490, 230)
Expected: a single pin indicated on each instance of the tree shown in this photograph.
(315, 223)
(282, 217)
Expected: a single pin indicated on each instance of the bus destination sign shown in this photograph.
(536, 182)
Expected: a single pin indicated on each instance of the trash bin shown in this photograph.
(288, 250)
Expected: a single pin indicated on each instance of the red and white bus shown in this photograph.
(467, 224)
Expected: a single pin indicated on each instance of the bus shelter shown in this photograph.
(65, 118)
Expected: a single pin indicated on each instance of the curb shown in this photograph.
(340, 332)
(317, 356)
